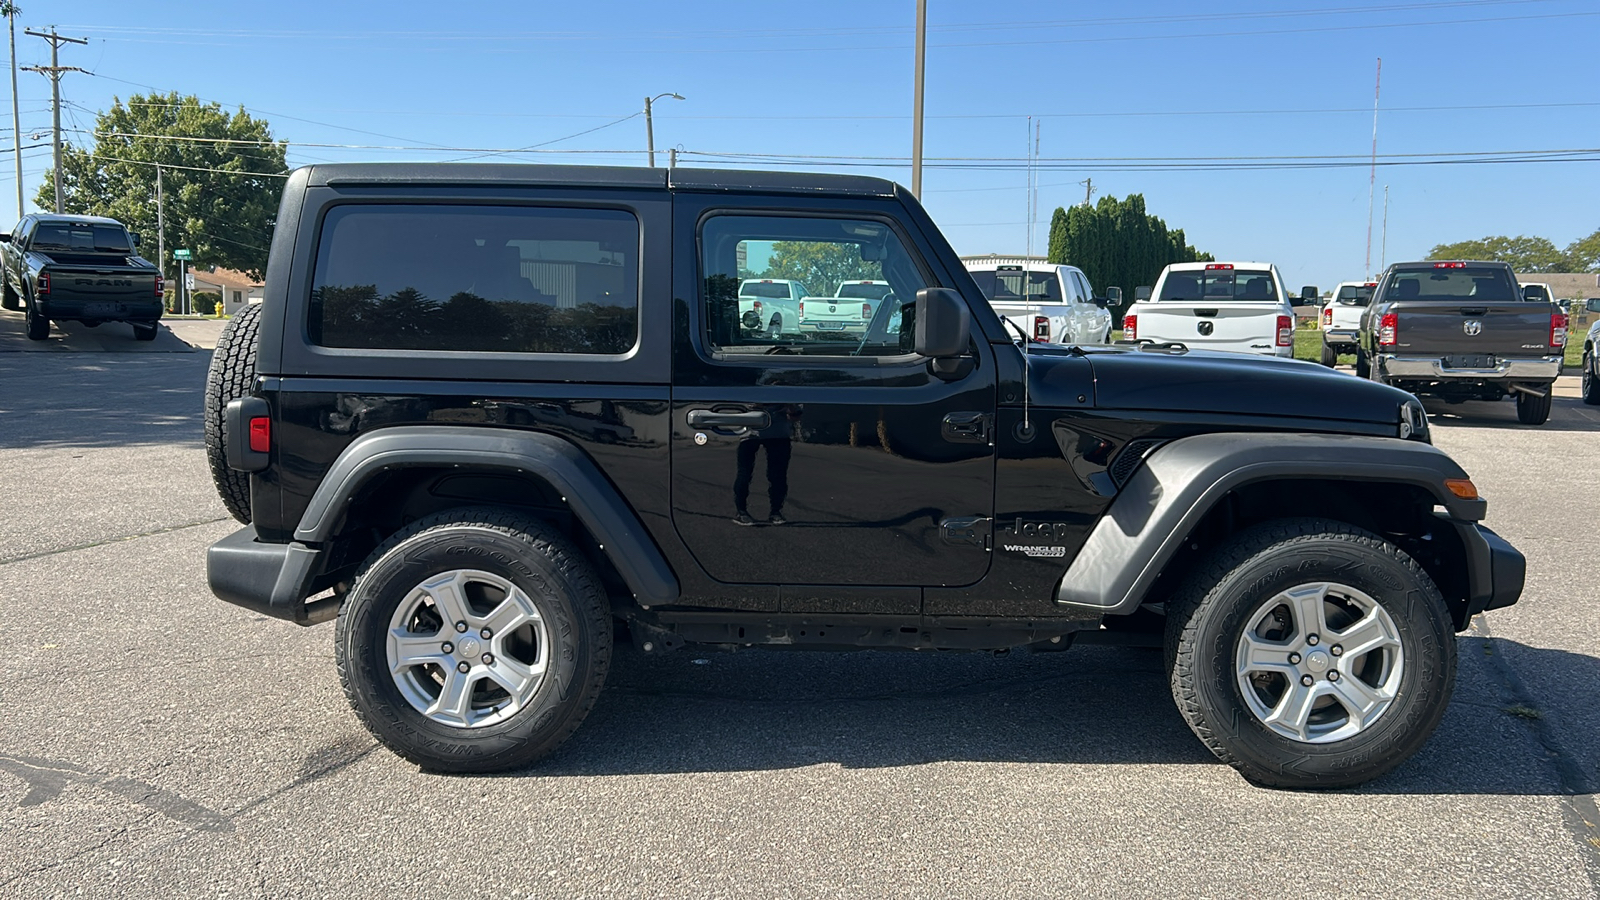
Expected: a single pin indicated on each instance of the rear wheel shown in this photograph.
(1363, 368)
(143, 332)
(475, 640)
(233, 367)
(1330, 356)
(1533, 410)
(1591, 382)
(1311, 654)
(775, 327)
(38, 325)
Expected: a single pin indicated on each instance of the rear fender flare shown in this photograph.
(1172, 492)
(585, 489)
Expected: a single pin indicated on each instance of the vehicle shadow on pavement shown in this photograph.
(101, 399)
(1566, 414)
(760, 710)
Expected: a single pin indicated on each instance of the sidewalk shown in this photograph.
(175, 336)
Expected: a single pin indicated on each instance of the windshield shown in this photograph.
(1218, 285)
(1006, 286)
(865, 290)
(772, 290)
(1356, 294)
(1451, 281)
(84, 238)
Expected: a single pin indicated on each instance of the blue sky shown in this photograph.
(1141, 78)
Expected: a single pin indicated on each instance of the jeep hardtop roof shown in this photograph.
(598, 176)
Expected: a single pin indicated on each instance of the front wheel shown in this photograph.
(1311, 654)
(475, 640)
(1591, 383)
(8, 297)
(1532, 410)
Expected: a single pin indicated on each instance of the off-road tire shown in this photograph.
(1533, 410)
(38, 326)
(1330, 356)
(8, 297)
(1363, 367)
(146, 332)
(233, 368)
(537, 559)
(1591, 383)
(1206, 620)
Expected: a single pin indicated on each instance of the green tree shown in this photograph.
(1522, 253)
(221, 177)
(820, 265)
(1583, 254)
(1116, 242)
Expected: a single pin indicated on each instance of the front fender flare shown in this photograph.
(1180, 482)
(591, 496)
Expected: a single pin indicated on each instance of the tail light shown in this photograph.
(1130, 328)
(161, 285)
(1220, 267)
(1327, 317)
(260, 434)
(866, 310)
(44, 283)
(1558, 329)
(1286, 331)
(757, 307)
(1041, 328)
(1389, 330)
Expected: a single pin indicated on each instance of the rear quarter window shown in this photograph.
(506, 279)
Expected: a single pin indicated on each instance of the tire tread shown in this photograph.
(233, 367)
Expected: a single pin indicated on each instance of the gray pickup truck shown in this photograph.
(1461, 330)
(79, 269)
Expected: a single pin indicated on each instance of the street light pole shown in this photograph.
(916, 102)
(649, 125)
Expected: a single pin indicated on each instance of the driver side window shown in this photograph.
(808, 285)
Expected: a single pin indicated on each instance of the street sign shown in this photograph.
(180, 254)
(188, 282)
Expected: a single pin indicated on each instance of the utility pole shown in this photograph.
(916, 100)
(1372, 177)
(54, 71)
(161, 226)
(649, 125)
(10, 11)
(1088, 191)
(1383, 258)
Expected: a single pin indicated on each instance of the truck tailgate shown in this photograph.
(109, 284)
(1450, 328)
(1237, 325)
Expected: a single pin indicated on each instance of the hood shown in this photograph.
(1210, 381)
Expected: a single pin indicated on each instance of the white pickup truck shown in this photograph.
(1235, 306)
(771, 305)
(1047, 302)
(1341, 319)
(849, 309)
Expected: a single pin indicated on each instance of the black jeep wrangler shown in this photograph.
(493, 417)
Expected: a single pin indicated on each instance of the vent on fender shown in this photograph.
(1122, 468)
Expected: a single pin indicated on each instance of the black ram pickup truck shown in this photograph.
(492, 418)
(79, 269)
(1462, 330)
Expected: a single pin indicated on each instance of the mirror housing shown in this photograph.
(5, 238)
(133, 238)
(1101, 302)
(1141, 293)
(1308, 295)
(1114, 295)
(944, 324)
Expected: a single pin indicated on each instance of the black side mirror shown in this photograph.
(944, 324)
(5, 238)
(1308, 295)
(1102, 302)
(1114, 294)
(1141, 293)
(133, 237)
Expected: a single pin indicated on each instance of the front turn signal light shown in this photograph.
(1462, 487)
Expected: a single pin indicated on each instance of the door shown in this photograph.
(827, 458)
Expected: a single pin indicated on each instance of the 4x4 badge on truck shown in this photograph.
(1472, 327)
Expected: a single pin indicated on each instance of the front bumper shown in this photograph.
(1432, 368)
(268, 578)
(1495, 570)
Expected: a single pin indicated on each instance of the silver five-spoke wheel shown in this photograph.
(1319, 662)
(467, 648)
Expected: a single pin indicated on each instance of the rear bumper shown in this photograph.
(1339, 337)
(1543, 368)
(267, 578)
(827, 325)
(101, 310)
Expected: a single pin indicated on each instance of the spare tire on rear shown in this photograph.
(233, 367)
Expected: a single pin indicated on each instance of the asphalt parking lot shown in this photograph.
(160, 742)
